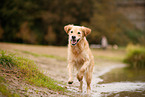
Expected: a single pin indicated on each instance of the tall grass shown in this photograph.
(28, 71)
(135, 56)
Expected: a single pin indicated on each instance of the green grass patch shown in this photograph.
(34, 54)
(43, 55)
(55, 57)
(5, 91)
(29, 71)
(135, 56)
(109, 58)
(6, 60)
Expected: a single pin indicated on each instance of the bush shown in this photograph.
(135, 56)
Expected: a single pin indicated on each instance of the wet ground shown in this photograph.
(117, 81)
(110, 78)
(123, 82)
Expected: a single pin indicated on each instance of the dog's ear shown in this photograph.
(67, 28)
(86, 31)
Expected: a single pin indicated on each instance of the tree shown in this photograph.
(39, 15)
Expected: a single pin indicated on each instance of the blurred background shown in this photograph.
(42, 21)
(118, 27)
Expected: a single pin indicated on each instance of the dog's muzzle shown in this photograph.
(74, 41)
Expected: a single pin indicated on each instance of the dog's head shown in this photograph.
(76, 33)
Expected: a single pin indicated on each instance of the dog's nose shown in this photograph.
(73, 37)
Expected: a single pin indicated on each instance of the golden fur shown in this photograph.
(79, 55)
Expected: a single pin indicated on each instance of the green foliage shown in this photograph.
(135, 56)
(30, 21)
(6, 60)
(107, 21)
(29, 71)
(42, 21)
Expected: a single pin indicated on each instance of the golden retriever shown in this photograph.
(79, 55)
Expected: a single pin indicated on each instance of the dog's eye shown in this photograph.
(71, 32)
(79, 32)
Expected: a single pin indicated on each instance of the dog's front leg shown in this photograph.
(82, 70)
(70, 71)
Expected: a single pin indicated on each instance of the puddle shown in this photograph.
(122, 82)
(124, 74)
(115, 81)
(118, 88)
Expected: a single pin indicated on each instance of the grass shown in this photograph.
(55, 57)
(109, 54)
(33, 54)
(109, 58)
(43, 55)
(5, 91)
(135, 56)
(29, 71)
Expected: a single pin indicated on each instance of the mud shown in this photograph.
(57, 70)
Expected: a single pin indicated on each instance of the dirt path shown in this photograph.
(56, 69)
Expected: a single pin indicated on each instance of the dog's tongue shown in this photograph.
(74, 41)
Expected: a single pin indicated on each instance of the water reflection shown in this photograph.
(123, 82)
(124, 74)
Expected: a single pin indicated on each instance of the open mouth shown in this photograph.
(74, 41)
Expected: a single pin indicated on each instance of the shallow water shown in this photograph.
(124, 74)
(115, 81)
(122, 82)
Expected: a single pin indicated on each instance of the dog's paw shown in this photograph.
(80, 90)
(70, 82)
(88, 91)
(80, 76)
